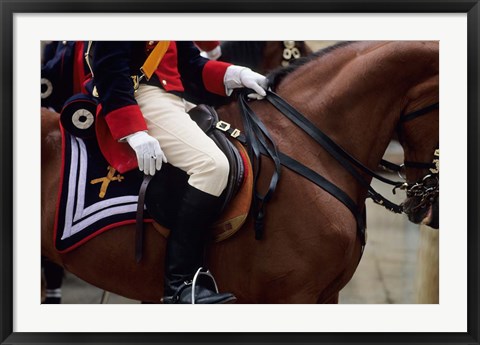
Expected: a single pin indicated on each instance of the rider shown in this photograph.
(153, 121)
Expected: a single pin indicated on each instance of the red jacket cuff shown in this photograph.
(213, 74)
(125, 121)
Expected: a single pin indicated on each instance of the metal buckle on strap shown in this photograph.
(136, 81)
(236, 133)
(223, 126)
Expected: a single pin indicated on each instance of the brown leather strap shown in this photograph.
(139, 219)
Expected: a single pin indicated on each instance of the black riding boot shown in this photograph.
(185, 249)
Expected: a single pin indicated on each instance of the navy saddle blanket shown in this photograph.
(93, 197)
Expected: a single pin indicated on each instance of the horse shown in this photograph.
(359, 94)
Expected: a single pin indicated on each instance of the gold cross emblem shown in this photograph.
(105, 181)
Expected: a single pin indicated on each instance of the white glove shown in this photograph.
(238, 76)
(149, 154)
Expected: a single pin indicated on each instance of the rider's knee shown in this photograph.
(220, 168)
(214, 174)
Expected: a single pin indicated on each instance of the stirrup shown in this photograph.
(199, 274)
(210, 284)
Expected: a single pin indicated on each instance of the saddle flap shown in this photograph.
(204, 116)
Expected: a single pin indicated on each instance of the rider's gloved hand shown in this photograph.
(149, 154)
(238, 76)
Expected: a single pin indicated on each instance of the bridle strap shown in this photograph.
(419, 165)
(409, 164)
(418, 113)
(330, 188)
(321, 138)
(344, 158)
(256, 133)
(257, 145)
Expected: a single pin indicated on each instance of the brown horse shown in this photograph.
(356, 93)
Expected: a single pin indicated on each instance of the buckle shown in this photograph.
(136, 81)
(223, 126)
(236, 133)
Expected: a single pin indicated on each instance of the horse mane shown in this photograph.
(277, 75)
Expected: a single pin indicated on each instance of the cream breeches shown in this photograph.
(185, 145)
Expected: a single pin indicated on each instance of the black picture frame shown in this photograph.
(10, 7)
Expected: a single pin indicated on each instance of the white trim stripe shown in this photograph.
(80, 218)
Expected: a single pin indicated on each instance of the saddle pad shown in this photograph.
(235, 214)
(92, 196)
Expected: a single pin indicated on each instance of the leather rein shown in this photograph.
(259, 142)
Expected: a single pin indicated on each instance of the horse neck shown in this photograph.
(359, 91)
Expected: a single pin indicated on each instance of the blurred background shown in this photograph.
(399, 265)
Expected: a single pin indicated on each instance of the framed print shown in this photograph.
(451, 32)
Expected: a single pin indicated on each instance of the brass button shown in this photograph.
(164, 82)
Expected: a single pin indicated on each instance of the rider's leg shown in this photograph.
(188, 148)
(185, 250)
